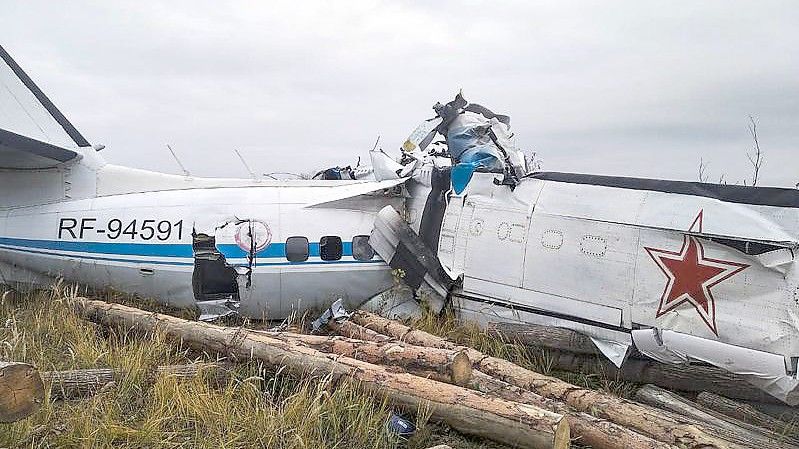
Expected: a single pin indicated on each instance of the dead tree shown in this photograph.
(756, 156)
(702, 170)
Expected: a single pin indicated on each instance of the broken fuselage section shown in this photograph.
(683, 272)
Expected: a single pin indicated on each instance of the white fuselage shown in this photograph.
(134, 231)
(717, 280)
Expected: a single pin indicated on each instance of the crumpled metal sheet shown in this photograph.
(213, 310)
(615, 351)
(354, 189)
(385, 168)
(403, 249)
(397, 303)
(336, 312)
(764, 370)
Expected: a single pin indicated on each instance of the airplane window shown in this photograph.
(361, 249)
(297, 249)
(330, 247)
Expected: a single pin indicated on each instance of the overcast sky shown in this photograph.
(633, 88)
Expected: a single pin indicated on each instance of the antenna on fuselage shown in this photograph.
(246, 167)
(185, 172)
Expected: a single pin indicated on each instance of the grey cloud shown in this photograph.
(635, 88)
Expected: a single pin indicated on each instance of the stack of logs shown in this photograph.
(471, 392)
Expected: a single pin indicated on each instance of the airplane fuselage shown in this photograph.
(268, 246)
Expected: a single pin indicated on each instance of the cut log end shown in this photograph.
(461, 369)
(562, 435)
(21, 391)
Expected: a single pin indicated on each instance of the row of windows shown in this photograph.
(330, 248)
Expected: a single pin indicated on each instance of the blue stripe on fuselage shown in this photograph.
(166, 250)
(123, 249)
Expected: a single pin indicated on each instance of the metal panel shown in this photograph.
(453, 237)
(18, 188)
(582, 259)
(756, 307)
(496, 240)
(654, 209)
(525, 298)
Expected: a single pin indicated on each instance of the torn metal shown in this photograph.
(336, 312)
(679, 271)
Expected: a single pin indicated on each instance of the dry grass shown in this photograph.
(258, 407)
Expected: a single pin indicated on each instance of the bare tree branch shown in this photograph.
(756, 158)
(702, 170)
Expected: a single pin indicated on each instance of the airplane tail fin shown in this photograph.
(34, 134)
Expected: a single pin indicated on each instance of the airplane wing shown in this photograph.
(34, 134)
(354, 189)
(20, 152)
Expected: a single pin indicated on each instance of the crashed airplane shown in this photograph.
(679, 271)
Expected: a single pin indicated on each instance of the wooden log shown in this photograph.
(744, 412)
(550, 337)
(21, 391)
(454, 363)
(586, 429)
(697, 378)
(566, 343)
(782, 412)
(693, 378)
(640, 418)
(730, 429)
(352, 330)
(465, 410)
(86, 382)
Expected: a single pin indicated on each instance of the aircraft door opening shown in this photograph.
(213, 279)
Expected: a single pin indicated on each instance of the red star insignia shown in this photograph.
(690, 276)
